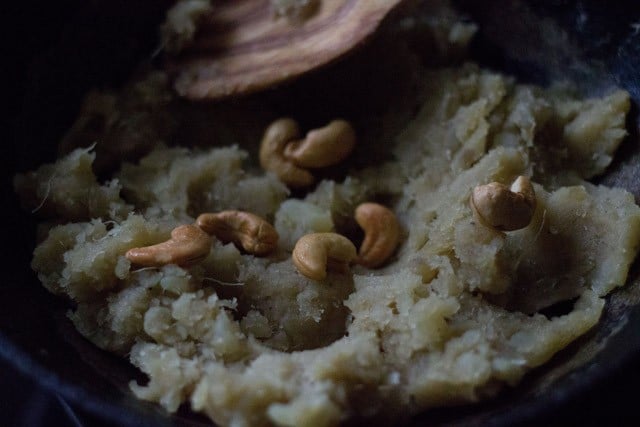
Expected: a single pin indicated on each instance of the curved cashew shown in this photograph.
(323, 147)
(381, 234)
(503, 208)
(315, 253)
(246, 230)
(276, 137)
(188, 245)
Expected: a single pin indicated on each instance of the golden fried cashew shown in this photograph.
(246, 230)
(316, 253)
(381, 234)
(323, 147)
(276, 137)
(188, 245)
(503, 208)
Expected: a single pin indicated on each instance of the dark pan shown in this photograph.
(71, 46)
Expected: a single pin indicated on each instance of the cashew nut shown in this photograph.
(381, 234)
(316, 253)
(323, 147)
(503, 208)
(188, 244)
(276, 137)
(246, 230)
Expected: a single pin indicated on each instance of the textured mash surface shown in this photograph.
(453, 317)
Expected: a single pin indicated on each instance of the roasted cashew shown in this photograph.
(276, 137)
(246, 230)
(323, 147)
(188, 245)
(381, 234)
(502, 208)
(316, 253)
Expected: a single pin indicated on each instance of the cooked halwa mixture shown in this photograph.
(266, 271)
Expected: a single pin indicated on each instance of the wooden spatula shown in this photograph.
(243, 46)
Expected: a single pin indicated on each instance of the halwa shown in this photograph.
(450, 313)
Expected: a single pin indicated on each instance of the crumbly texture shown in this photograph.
(453, 317)
(181, 24)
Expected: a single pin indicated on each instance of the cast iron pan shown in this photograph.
(70, 46)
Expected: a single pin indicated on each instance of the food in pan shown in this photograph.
(405, 261)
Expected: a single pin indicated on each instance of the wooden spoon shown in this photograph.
(242, 45)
